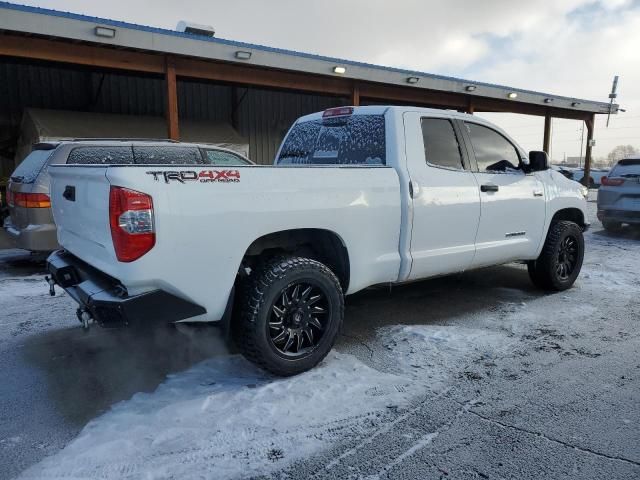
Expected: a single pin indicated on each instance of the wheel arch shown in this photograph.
(323, 245)
(571, 214)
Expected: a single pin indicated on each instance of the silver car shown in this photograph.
(30, 223)
(619, 195)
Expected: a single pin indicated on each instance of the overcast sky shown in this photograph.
(564, 47)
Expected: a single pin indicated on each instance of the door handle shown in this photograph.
(538, 193)
(69, 193)
(489, 187)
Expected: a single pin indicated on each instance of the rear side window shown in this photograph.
(166, 155)
(352, 140)
(493, 152)
(626, 168)
(221, 157)
(100, 156)
(441, 147)
(30, 167)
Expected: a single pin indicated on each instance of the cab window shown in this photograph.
(493, 152)
(350, 140)
(441, 146)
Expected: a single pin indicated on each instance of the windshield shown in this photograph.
(352, 140)
(30, 167)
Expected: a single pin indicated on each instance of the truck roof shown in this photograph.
(125, 142)
(383, 109)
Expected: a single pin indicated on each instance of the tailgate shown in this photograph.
(80, 203)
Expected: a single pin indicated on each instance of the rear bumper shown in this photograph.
(622, 216)
(37, 238)
(107, 301)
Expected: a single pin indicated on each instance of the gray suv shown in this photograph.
(619, 195)
(30, 222)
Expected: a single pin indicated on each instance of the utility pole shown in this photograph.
(581, 144)
(612, 96)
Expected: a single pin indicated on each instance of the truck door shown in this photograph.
(446, 198)
(512, 202)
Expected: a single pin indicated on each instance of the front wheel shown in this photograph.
(560, 262)
(292, 312)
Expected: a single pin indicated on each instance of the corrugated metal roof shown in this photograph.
(364, 71)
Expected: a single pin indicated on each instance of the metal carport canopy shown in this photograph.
(215, 59)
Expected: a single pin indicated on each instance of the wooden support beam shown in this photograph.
(262, 77)
(55, 51)
(171, 111)
(412, 96)
(590, 123)
(546, 142)
(470, 107)
(355, 95)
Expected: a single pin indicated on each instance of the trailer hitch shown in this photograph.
(84, 316)
(51, 282)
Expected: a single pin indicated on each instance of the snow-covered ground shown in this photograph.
(223, 418)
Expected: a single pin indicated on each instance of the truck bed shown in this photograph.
(206, 219)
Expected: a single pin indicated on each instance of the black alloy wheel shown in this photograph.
(298, 318)
(567, 257)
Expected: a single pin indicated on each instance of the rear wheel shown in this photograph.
(560, 262)
(292, 312)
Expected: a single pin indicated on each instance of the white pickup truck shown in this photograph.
(358, 196)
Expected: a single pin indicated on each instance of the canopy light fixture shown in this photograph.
(548, 100)
(575, 104)
(470, 88)
(240, 55)
(339, 70)
(105, 32)
(413, 79)
(512, 95)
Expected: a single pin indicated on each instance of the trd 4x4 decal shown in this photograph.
(204, 176)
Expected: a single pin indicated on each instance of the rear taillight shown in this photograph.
(131, 219)
(29, 200)
(611, 182)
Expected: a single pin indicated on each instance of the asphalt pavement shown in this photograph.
(562, 400)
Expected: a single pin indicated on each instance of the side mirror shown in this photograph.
(538, 161)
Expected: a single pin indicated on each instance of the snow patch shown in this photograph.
(224, 418)
(432, 353)
(24, 287)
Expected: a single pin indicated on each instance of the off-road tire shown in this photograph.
(543, 271)
(251, 334)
